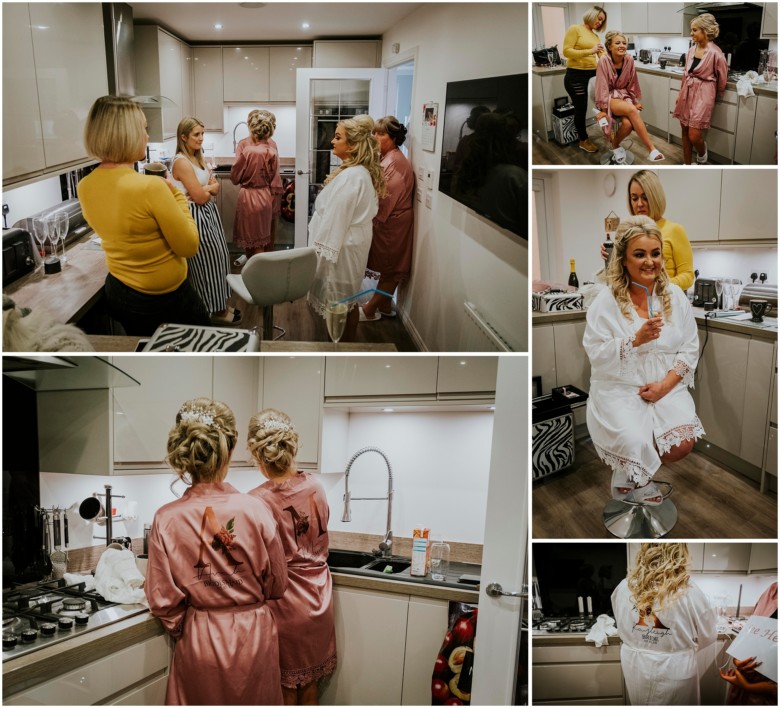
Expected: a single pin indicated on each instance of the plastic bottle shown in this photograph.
(440, 559)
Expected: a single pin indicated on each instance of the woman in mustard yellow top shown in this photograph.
(144, 223)
(646, 197)
(582, 49)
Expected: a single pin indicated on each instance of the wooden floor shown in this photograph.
(551, 153)
(712, 502)
(303, 325)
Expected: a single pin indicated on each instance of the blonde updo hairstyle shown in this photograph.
(590, 17)
(261, 124)
(364, 150)
(659, 574)
(202, 441)
(186, 126)
(272, 441)
(115, 130)
(609, 37)
(618, 278)
(707, 24)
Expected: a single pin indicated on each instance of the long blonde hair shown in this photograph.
(186, 126)
(201, 442)
(617, 275)
(272, 441)
(659, 575)
(364, 150)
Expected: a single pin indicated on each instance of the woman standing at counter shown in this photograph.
(208, 269)
(706, 74)
(582, 48)
(144, 222)
(215, 560)
(643, 346)
(304, 616)
(663, 619)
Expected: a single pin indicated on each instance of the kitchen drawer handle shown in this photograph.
(495, 590)
(302, 172)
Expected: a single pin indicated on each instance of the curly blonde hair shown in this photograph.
(202, 441)
(364, 150)
(186, 126)
(707, 24)
(659, 575)
(261, 124)
(617, 275)
(272, 441)
(608, 40)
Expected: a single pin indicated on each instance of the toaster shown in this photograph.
(704, 291)
(18, 255)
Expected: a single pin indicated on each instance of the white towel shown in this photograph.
(602, 630)
(118, 579)
(745, 87)
(75, 579)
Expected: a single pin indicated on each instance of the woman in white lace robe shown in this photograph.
(642, 342)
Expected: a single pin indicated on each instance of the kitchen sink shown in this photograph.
(222, 168)
(349, 559)
(379, 566)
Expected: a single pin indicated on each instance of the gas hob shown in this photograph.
(41, 614)
(564, 625)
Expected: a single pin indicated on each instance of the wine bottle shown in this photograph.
(608, 246)
(573, 280)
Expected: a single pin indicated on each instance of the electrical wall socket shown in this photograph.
(429, 179)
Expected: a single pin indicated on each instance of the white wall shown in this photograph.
(752, 588)
(458, 254)
(440, 467)
(31, 198)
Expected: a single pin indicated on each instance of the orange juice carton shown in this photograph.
(421, 551)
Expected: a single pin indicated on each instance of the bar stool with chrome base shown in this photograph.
(610, 155)
(628, 519)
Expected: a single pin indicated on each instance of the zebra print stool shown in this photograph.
(626, 519)
(552, 436)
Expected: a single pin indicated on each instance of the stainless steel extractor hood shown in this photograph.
(57, 373)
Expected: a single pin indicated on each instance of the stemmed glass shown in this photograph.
(61, 222)
(41, 233)
(336, 311)
(718, 292)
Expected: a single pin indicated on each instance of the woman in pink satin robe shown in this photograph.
(705, 77)
(304, 616)
(256, 169)
(393, 234)
(215, 560)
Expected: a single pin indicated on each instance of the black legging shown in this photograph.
(576, 83)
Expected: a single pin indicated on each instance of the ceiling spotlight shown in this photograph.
(218, 25)
(305, 25)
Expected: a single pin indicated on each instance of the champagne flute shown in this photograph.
(336, 311)
(718, 291)
(62, 222)
(41, 233)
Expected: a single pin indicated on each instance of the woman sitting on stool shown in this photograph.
(618, 94)
(642, 342)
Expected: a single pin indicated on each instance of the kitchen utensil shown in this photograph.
(58, 558)
(92, 509)
(67, 538)
(759, 308)
(46, 544)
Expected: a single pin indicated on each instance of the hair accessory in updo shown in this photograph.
(275, 424)
(198, 415)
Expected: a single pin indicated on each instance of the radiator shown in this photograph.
(479, 335)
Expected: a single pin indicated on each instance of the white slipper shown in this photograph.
(702, 159)
(656, 156)
(364, 318)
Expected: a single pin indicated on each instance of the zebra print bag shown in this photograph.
(189, 338)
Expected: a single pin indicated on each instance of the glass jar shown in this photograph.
(440, 559)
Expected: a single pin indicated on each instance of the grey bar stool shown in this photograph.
(627, 519)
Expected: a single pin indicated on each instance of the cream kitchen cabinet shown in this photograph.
(371, 641)
(763, 149)
(390, 378)
(347, 54)
(726, 558)
(294, 385)
(285, 61)
(227, 201)
(207, 87)
(238, 382)
(653, 18)
(546, 88)
(187, 102)
(121, 678)
(159, 72)
(748, 206)
(633, 17)
(49, 84)
(246, 74)
(655, 95)
(577, 675)
(426, 625)
(769, 20)
(758, 388)
(770, 449)
(462, 377)
(699, 224)
(763, 557)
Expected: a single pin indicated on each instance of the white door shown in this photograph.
(323, 97)
(506, 540)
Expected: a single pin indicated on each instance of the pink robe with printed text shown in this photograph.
(215, 559)
(699, 87)
(393, 234)
(609, 85)
(256, 169)
(304, 616)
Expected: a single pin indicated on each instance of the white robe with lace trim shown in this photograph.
(628, 432)
(341, 231)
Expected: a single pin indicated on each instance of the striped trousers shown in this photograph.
(209, 267)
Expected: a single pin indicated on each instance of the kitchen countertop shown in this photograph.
(577, 639)
(767, 89)
(111, 343)
(765, 330)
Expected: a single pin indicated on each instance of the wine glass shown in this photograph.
(41, 233)
(718, 292)
(336, 311)
(61, 222)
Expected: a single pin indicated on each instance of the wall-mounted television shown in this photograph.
(484, 163)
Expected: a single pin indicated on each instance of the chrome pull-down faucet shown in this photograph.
(386, 546)
(235, 142)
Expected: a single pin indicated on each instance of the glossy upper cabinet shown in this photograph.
(466, 376)
(285, 62)
(246, 76)
(207, 87)
(57, 51)
(347, 54)
(387, 377)
(22, 144)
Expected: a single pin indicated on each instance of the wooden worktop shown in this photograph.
(113, 343)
